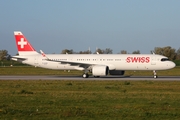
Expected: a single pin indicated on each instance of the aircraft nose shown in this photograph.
(172, 65)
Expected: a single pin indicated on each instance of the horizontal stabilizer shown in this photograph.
(18, 57)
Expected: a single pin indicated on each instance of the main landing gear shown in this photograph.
(85, 75)
(155, 74)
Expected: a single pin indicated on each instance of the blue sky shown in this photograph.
(54, 25)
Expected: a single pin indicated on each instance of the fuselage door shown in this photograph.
(153, 60)
(36, 61)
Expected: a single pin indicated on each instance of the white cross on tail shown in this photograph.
(22, 43)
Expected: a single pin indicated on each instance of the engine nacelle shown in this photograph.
(116, 72)
(99, 70)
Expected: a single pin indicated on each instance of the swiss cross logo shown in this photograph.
(22, 43)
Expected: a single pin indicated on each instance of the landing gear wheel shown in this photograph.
(155, 74)
(85, 75)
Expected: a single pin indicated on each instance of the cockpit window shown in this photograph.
(164, 59)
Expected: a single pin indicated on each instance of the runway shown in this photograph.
(48, 77)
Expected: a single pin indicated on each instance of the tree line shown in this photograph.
(167, 51)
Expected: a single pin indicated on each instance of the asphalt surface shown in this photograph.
(46, 77)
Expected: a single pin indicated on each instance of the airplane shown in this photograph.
(97, 64)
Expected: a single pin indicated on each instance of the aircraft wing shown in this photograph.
(77, 64)
(80, 64)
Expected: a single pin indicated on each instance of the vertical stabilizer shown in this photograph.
(23, 45)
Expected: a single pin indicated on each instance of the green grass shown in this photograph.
(41, 71)
(102, 100)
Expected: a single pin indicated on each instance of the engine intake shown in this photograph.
(100, 70)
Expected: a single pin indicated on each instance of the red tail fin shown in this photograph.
(23, 45)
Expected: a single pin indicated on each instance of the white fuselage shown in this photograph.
(113, 61)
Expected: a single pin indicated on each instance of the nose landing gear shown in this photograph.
(155, 74)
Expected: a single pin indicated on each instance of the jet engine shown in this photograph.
(116, 72)
(100, 70)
